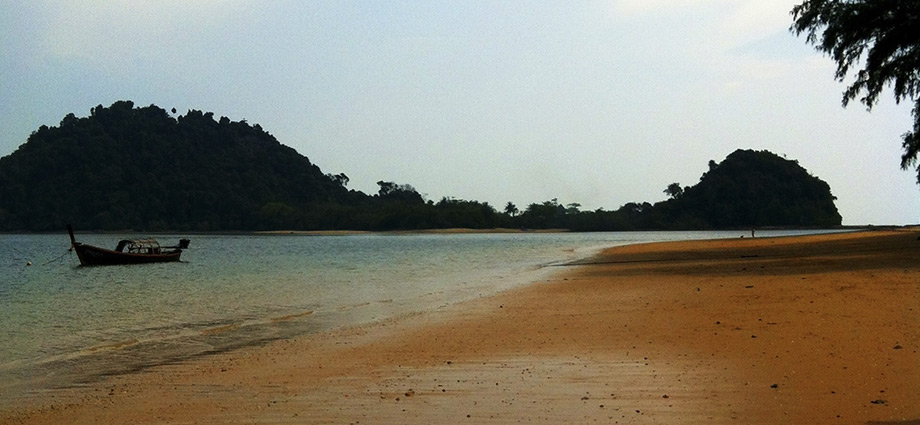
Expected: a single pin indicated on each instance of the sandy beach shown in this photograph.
(799, 330)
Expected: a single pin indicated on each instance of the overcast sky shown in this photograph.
(592, 102)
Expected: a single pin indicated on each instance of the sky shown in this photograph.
(598, 103)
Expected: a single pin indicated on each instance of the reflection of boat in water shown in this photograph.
(127, 252)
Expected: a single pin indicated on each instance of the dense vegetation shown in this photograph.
(140, 168)
(883, 36)
(751, 188)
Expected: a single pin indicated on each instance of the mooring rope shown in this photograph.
(57, 259)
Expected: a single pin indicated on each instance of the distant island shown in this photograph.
(125, 167)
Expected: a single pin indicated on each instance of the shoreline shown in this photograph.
(448, 231)
(691, 332)
(458, 230)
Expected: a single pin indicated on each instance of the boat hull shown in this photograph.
(94, 256)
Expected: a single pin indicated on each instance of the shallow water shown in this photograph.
(65, 325)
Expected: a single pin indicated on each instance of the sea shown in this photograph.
(62, 325)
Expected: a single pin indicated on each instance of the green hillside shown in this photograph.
(124, 167)
(142, 168)
(757, 189)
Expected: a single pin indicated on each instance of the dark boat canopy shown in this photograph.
(144, 246)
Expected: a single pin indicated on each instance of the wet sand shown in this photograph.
(811, 330)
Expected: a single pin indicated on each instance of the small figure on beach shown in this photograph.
(752, 232)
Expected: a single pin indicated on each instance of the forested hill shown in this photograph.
(753, 188)
(142, 168)
(124, 167)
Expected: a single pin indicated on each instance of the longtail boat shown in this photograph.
(139, 251)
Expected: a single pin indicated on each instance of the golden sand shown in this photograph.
(809, 330)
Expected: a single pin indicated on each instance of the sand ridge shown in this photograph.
(816, 329)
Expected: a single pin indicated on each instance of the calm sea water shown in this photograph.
(63, 325)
